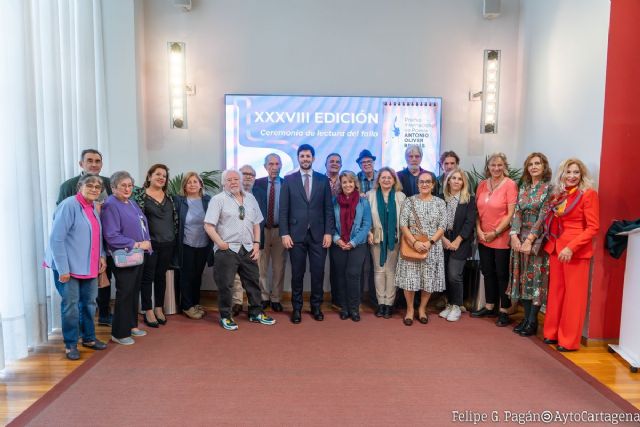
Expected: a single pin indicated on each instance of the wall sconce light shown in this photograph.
(490, 92)
(177, 92)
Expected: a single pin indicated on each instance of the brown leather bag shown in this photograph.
(407, 251)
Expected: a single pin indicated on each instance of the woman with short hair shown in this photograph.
(76, 256)
(496, 199)
(194, 245)
(125, 227)
(422, 214)
(353, 222)
(572, 220)
(386, 201)
(529, 271)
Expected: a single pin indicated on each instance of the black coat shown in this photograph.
(464, 225)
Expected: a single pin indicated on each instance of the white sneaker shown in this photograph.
(454, 314)
(444, 313)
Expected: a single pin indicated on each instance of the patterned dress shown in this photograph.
(529, 274)
(426, 275)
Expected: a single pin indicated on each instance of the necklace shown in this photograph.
(492, 188)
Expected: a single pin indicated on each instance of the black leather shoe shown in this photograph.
(380, 311)
(276, 306)
(520, 326)
(503, 320)
(150, 324)
(355, 316)
(265, 304)
(344, 315)
(485, 312)
(387, 312)
(236, 309)
(161, 321)
(317, 314)
(549, 341)
(529, 330)
(296, 316)
(564, 349)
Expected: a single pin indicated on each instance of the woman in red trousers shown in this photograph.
(572, 221)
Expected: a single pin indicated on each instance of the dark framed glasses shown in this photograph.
(241, 212)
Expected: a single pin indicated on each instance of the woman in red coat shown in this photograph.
(572, 221)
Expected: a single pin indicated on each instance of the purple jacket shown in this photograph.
(123, 224)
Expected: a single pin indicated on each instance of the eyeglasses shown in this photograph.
(96, 187)
(423, 182)
(241, 212)
(248, 174)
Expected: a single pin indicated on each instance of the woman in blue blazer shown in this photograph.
(353, 222)
(194, 245)
(76, 256)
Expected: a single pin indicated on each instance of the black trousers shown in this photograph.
(494, 264)
(298, 257)
(455, 278)
(125, 313)
(348, 273)
(156, 265)
(190, 277)
(227, 264)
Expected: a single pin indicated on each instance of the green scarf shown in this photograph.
(388, 217)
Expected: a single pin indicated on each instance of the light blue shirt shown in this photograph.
(194, 234)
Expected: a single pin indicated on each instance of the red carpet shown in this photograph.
(376, 372)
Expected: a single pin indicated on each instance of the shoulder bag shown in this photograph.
(407, 251)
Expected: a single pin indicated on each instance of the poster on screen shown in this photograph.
(257, 125)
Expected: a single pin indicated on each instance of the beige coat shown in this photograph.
(376, 225)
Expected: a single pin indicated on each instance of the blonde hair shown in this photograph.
(496, 155)
(397, 185)
(352, 176)
(586, 181)
(186, 178)
(465, 196)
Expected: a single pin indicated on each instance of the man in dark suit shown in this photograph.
(408, 176)
(306, 225)
(267, 191)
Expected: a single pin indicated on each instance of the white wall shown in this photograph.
(564, 58)
(330, 47)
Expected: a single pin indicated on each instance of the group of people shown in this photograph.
(534, 242)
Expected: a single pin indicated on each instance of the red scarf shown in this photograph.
(560, 205)
(347, 214)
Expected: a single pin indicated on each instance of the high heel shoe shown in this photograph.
(148, 323)
(161, 320)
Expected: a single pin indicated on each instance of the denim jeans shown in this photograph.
(77, 294)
